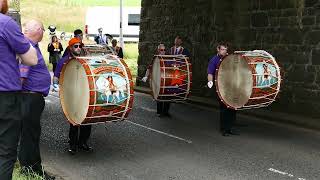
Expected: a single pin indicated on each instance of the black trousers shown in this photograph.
(54, 65)
(29, 150)
(227, 117)
(79, 134)
(163, 107)
(11, 115)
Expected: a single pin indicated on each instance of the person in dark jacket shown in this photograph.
(54, 48)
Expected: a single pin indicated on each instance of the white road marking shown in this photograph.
(148, 109)
(283, 173)
(160, 132)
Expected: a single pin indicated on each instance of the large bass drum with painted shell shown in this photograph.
(96, 90)
(248, 79)
(170, 77)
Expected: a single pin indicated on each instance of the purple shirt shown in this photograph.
(12, 42)
(37, 78)
(213, 65)
(60, 65)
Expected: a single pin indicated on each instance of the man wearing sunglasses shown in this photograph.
(36, 82)
(78, 136)
(77, 34)
(161, 50)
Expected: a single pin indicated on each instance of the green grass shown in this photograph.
(17, 176)
(98, 2)
(66, 15)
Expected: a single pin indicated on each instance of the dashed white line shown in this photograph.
(148, 109)
(283, 173)
(160, 132)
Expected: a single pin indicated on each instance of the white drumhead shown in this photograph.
(156, 78)
(234, 81)
(75, 92)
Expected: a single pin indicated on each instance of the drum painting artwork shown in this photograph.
(96, 90)
(170, 77)
(248, 79)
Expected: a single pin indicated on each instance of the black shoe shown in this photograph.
(72, 149)
(85, 147)
(167, 115)
(225, 133)
(234, 132)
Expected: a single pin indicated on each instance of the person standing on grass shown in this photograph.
(36, 82)
(12, 44)
(117, 49)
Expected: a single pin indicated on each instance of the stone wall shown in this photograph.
(288, 29)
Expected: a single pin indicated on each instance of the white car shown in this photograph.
(108, 18)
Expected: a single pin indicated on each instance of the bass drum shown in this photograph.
(171, 77)
(248, 79)
(96, 90)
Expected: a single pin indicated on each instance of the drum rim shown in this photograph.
(62, 99)
(217, 83)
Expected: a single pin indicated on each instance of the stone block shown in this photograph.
(316, 57)
(291, 36)
(268, 5)
(313, 37)
(310, 3)
(308, 20)
(259, 19)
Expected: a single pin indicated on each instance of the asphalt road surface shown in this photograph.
(187, 146)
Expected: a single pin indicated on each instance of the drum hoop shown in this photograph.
(125, 70)
(151, 77)
(62, 102)
(217, 84)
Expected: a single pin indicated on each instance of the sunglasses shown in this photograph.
(77, 46)
(162, 50)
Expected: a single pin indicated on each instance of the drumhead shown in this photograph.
(234, 81)
(75, 92)
(156, 78)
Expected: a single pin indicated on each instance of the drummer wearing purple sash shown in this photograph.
(227, 115)
(36, 81)
(78, 135)
(12, 44)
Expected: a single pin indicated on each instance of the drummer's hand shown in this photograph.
(55, 88)
(144, 79)
(210, 84)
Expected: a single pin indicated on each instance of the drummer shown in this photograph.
(76, 140)
(177, 49)
(161, 106)
(227, 115)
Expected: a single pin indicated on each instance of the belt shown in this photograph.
(31, 92)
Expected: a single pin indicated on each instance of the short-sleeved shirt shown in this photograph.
(213, 64)
(37, 78)
(12, 42)
(60, 64)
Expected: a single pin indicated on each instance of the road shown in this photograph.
(187, 146)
